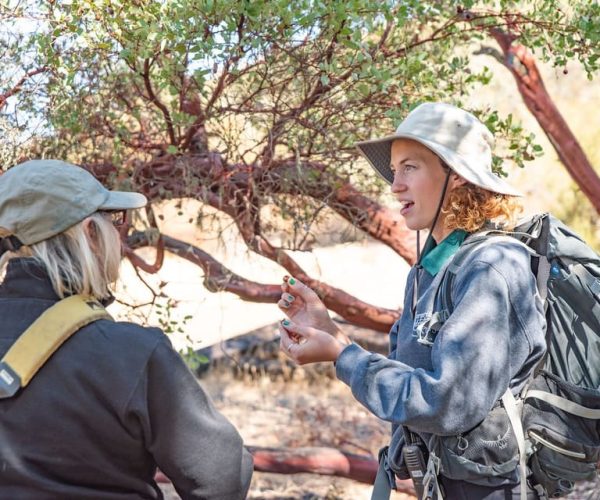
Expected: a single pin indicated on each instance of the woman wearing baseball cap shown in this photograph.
(115, 400)
(451, 359)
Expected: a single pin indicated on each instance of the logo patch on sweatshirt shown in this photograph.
(427, 325)
(420, 327)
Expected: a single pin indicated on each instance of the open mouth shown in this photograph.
(405, 206)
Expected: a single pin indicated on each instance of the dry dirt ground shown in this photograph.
(300, 413)
(275, 404)
(297, 413)
(308, 410)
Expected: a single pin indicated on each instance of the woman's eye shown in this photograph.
(405, 168)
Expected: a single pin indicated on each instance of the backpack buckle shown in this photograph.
(10, 382)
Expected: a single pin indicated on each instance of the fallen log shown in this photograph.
(332, 462)
(315, 460)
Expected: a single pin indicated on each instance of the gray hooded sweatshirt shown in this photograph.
(492, 340)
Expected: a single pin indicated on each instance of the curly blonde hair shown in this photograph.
(470, 207)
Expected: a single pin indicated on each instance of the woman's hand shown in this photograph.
(304, 344)
(302, 305)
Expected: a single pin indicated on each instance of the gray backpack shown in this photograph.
(558, 429)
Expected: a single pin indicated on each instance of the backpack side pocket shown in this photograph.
(488, 450)
(566, 447)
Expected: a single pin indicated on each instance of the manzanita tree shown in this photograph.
(253, 106)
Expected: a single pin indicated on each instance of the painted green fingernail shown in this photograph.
(292, 281)
(285, 322)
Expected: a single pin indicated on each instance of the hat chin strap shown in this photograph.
(429, 238)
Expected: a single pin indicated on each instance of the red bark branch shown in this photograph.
(358, 312)
(366, 214)
(319, 460)
(156, 101)
(522, 65)
(218, 278)
(137, 261)
(17, 87)
(379, 222)
(238, 191)
(312, 179)
(323, 461)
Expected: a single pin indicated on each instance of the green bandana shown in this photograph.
(435, 256)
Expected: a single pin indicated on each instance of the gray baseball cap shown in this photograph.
(43, 198)
(456, 136)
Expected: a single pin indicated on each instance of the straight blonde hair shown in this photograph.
(76, 262)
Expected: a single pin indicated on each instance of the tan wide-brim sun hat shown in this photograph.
(42, 198)
(456, 136)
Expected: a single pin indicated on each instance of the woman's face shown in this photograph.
(418, 182)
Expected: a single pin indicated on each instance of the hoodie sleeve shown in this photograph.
(192, 443)
(477, 352)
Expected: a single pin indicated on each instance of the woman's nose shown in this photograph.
(398, 186)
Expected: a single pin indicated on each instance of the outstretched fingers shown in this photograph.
(286, 301)
(296, 288)
(305, 344)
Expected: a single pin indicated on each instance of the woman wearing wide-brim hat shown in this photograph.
(115, 400)
(451, 359)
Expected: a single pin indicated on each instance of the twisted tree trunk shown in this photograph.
(521, 63)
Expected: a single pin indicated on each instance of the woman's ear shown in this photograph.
(456, 181)
(89, 227)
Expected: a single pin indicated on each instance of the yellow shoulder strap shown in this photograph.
(47, 333)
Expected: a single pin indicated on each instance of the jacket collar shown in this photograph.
(25, 277)
(435, 256)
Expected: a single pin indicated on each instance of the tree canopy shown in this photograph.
(253, 107)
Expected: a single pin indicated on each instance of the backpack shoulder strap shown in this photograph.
(43, 338)
(475, 241)
(514, 413)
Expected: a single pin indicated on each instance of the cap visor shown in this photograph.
(122, 200)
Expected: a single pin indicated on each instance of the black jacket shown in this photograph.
(112, 404)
